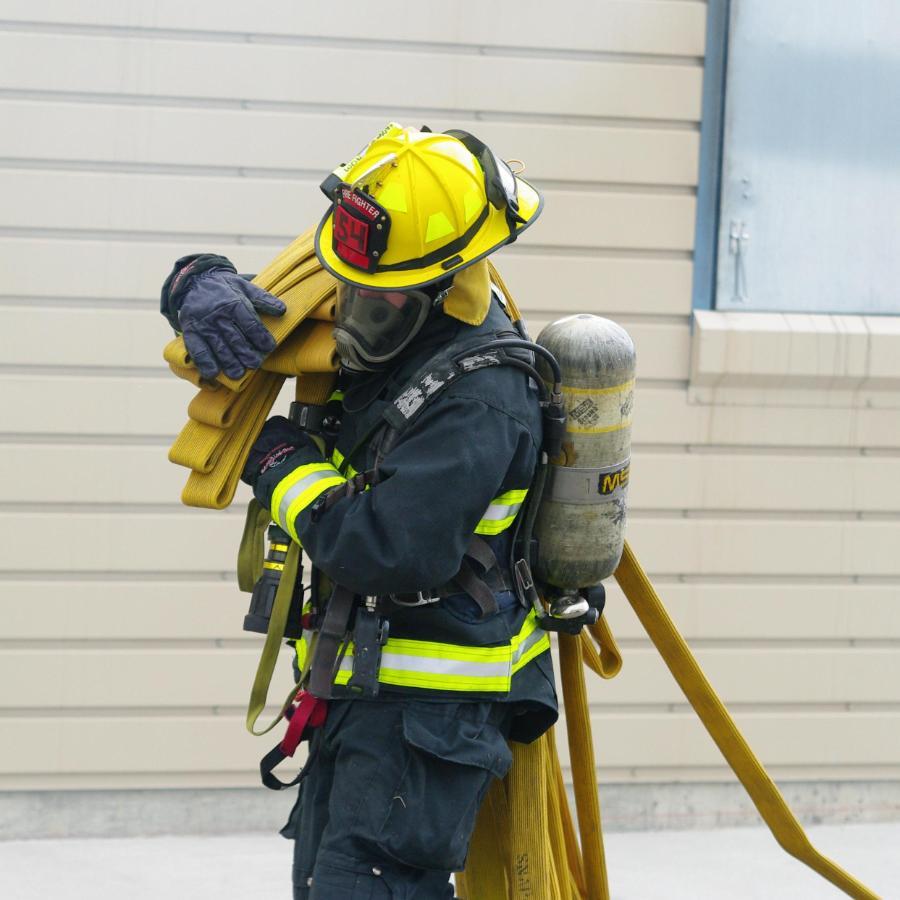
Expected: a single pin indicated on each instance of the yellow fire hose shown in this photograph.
(225, 416)
(524, 846)
(721, 727)
(516, 852)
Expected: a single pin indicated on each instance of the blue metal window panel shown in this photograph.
(810, 195)
(709, 177)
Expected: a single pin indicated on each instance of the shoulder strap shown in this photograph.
(436, 375)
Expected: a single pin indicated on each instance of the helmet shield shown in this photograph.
(361, 228)
(372, 327)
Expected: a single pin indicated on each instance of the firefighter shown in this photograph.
(422, 529)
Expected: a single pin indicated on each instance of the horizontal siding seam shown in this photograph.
(276, 240)
(211, 103)
(518, 51)
(112, 167)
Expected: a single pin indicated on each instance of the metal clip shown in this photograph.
(422, 599)
(527, 590)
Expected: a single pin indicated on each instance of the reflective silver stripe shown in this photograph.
(295, 490)
(501, 512)
(496, 511)
(431, 665)
(535, 637)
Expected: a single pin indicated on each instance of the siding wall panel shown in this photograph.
(632, 26)
(307, 142)
(98, 745)
(50, 405)
(278, 209)
(137, 132)
(143, 542)
(283, 75)
(214, 677)
(127, 271)
(661, 482)
(720, 613)
(133, 338)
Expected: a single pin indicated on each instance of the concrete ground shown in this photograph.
(739, 863)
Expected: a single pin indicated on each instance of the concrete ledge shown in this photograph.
(625, 807)
(795, 352)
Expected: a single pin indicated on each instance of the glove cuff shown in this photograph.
(265, 482)
(176, 284)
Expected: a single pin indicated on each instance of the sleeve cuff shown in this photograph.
(299, 489)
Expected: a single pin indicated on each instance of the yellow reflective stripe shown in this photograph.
(337, 459)
(437, 650)
(302, 649)
(529, 626)
(454, 667)
(300, 488)
(511, 497)
(305, 498)
(540, 646)
(531, 641)
(273, 565)
(494, 526)
(501, 512)
(279, 548)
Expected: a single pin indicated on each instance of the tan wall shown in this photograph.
(134, 132)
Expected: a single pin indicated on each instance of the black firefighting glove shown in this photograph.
(217, 311)
(278, 441)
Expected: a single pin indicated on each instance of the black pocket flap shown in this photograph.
(457, 739)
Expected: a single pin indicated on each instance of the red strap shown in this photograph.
(309, 711)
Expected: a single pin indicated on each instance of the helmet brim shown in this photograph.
(490, 237)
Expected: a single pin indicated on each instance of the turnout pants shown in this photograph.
(389, 802)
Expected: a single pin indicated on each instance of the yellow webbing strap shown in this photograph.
(312, 388)
(715, 717)
(252, 548)
(514, 313)
(269, 657)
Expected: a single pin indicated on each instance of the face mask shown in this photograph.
(372, 327)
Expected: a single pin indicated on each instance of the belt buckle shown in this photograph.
(423, 598)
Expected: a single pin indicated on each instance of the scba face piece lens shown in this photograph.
(373, 327)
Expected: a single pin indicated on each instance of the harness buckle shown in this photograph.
(423, 598)
(525, 587)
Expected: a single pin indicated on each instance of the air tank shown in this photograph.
(580, 524)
